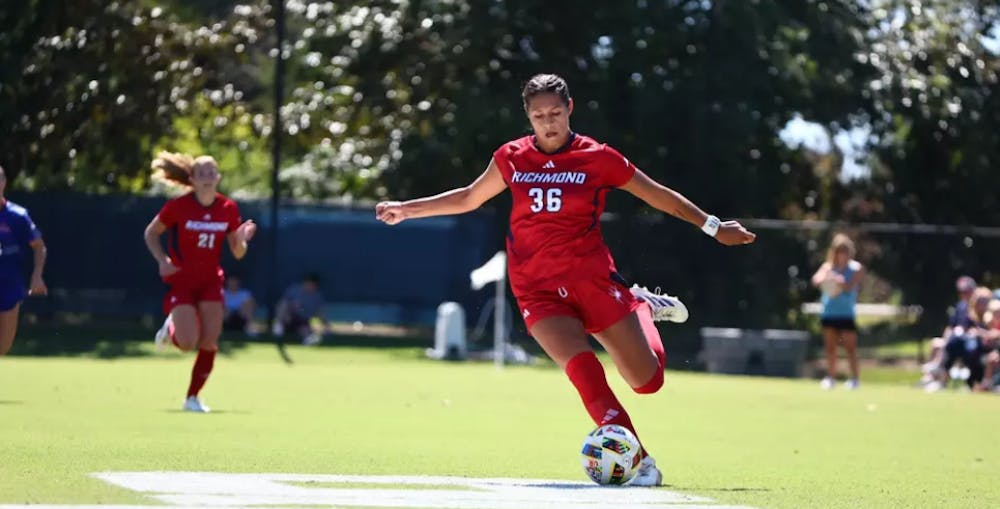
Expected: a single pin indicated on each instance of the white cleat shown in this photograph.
(648, 474)
(826, 384)
(934, 386)
(665, 307)
(162, 337)
(193, 404)
(852, 384)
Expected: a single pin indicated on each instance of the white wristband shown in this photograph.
(711, 226)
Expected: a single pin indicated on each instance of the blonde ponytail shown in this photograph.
(173, 168)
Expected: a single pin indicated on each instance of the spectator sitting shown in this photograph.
(992, 367)
(301, 304)
(969, 341)
(959, 317)
(240, 307)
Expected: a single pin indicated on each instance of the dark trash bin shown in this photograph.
(768, 352)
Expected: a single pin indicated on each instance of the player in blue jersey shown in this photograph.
(18, 234)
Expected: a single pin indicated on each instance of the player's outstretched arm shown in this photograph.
(667, 200)
(456, 201)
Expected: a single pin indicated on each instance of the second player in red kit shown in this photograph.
(560, 269)
(197, 224)
(195, 236)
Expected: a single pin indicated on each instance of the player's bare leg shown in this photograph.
(562, 338)
(637, 350)
(850, 342)
(626, 342)
(830, 346)
(8, 328)
(211, 314)
(186, 327)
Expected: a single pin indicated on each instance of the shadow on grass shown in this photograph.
(402, 346)
(131, 340)
(96, 341)
(586, 486)
(568, 486)
(696, 489)
(85, 347)
(360, 341)
(212, 412)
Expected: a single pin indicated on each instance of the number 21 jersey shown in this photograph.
(197, 233)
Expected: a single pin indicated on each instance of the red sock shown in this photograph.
(656, 344)
(202, 368)
(587, 375)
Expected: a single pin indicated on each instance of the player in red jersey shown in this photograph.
(560, 269)
(198, 223)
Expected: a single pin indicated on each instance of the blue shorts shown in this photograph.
(11, 295)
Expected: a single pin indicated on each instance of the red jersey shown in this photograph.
(555, 229)
(196, 233)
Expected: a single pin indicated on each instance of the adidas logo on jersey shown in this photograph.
(549, 165)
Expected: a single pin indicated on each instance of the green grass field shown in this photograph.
(764, 443)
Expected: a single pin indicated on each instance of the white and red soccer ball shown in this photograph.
(611, 455)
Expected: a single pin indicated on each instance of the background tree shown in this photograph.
(404, 97)
(89, 87)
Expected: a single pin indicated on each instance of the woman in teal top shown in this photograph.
(839, 278)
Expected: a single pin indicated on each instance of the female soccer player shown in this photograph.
(839, 278)
(17, 234)
(561, 272)
(198, 223)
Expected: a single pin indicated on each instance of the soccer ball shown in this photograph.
(611, 455)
